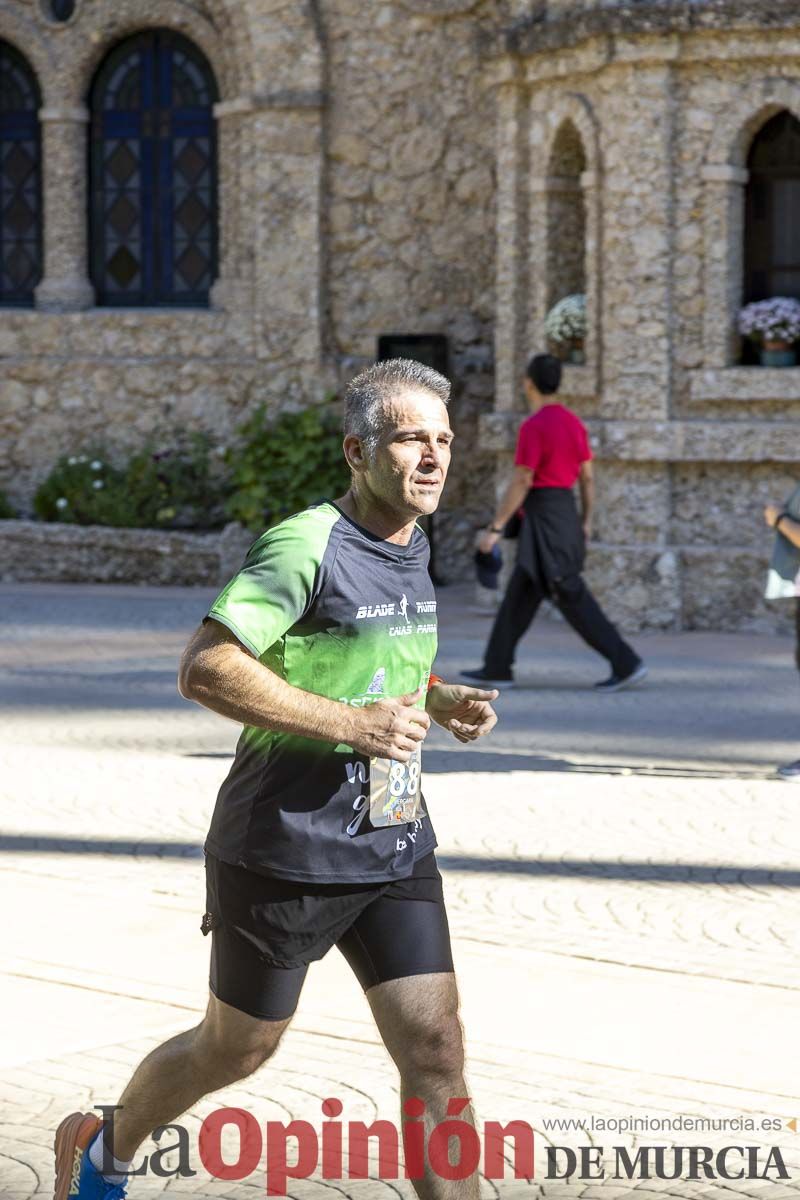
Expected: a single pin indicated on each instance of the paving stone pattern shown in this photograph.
(624, 916)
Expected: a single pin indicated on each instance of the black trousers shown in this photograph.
(578, 606)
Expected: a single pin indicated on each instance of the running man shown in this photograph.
(322, 648)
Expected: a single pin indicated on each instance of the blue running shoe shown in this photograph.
(75, 1175)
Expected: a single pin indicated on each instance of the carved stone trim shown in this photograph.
(553, 183)
(724, 173)
(233, 108)
(631, 18)
(290, 98)
(66, 115)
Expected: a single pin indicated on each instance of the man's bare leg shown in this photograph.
(418, 1020)
(226, 1046)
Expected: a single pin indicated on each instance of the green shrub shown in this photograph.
(282, 464)
(173, 488)
(7, 513)
(81, 489)
(181, 487)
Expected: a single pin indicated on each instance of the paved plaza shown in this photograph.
(622, 876)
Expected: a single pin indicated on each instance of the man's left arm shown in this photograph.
(586, 486)
(465, 711)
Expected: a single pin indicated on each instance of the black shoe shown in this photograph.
(615, 683)
(791, 772)
(483, 678)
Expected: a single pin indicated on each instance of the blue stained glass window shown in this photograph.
(20, 180)
(153, 184)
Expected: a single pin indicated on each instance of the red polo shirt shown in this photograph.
(553, 443)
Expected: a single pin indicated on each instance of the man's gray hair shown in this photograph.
(370, 391)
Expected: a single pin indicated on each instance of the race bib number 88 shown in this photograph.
(394, 790)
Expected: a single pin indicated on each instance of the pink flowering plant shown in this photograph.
(775, 320)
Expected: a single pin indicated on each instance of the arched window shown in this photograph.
(153, 193)
(772, 221)
(20, 180)
(566, 216)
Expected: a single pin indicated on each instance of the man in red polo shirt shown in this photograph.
(552, 455)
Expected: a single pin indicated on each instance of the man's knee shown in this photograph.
(231, 1045)
(436, 1049)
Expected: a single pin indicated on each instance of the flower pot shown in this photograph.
(777, 354)
(576, 354)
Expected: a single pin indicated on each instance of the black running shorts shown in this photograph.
(266, 931)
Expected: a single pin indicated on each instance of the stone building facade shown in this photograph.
(447, 166)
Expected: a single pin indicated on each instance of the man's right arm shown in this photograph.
(218, 672)
(779, 519)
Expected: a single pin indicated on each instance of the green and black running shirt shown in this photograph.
(339, 612)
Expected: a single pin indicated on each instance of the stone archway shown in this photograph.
(736, 128)
(22, 31)
(566, 215)
(725, 177)
(565, 210)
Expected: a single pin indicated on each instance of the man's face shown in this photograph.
(409, 466)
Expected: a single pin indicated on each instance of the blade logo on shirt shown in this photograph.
(367, 611)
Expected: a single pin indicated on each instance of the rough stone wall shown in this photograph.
(72, 374)
(357, 192)
(36, 552)
(689, 444)
(410, 224)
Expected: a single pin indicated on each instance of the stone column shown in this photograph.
(233, 289)
(723, 203)
(511, 272)
(65, 286)
(540, 188)
(590, 185)
(638, 223)
(288, 250)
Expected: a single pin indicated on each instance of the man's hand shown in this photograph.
(465, 711)
(390, 728)
(771, 513)
(587, 528)
(486, 540)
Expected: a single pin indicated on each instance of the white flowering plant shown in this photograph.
(77, 490)
(176, 486)
(566, 321)
(774, 320)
